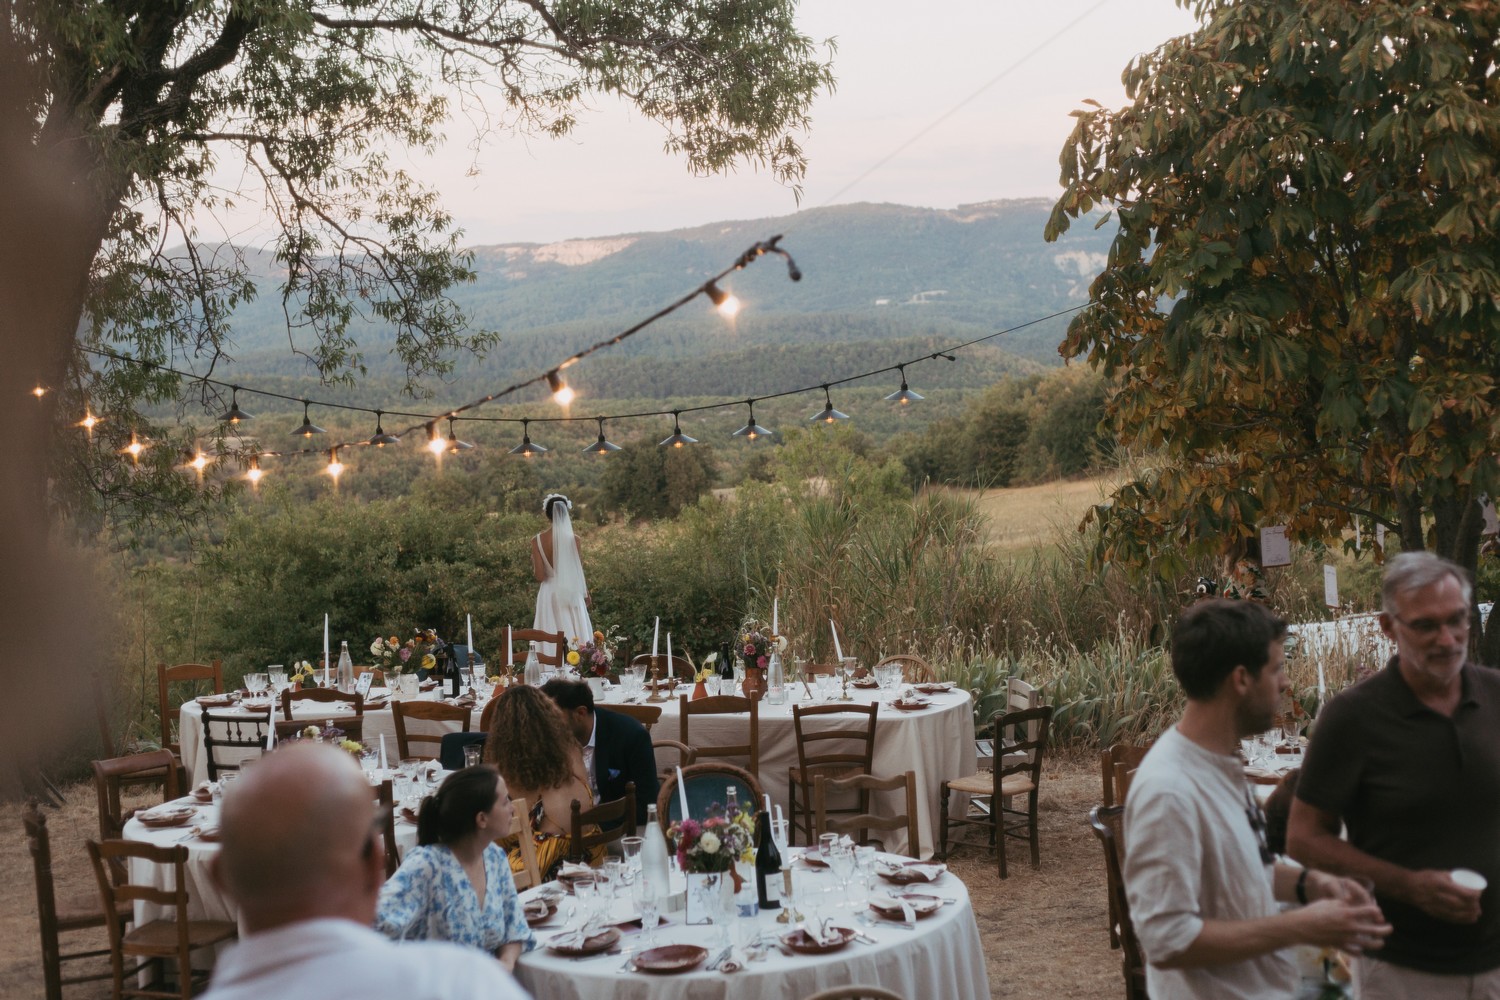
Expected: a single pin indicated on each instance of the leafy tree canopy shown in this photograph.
(1300, 302)
(141, 104)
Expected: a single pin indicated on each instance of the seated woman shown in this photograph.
(456, 885)
(531, 744)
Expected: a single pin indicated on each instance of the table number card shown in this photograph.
(1330, 585)
(1275, 550)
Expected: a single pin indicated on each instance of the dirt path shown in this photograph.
(1043, 930)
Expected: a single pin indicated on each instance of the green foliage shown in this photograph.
(649, 482)
(1300, 299)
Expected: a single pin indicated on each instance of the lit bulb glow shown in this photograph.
(253, 474)
(437, 445)
(134, 449)
(39, 392)
(199, 462)
(564, 396)
(335, 467)
(89, 422)
(730, 307)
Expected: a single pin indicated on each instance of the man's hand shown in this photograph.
(1333, 923)
(1437, 895)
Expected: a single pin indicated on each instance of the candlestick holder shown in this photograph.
(656, 695)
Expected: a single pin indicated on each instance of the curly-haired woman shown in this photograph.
(531, 744)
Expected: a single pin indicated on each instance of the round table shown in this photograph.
(941, 957)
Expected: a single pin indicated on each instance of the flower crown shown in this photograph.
(547, 502)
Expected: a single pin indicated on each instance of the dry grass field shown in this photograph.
(1043, 929)
(1026, 519)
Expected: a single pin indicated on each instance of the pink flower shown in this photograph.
(405, 654)
(761, 661)
(691, 830)
(749, 649)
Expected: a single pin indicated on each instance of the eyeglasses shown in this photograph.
(1459, 622)
(1257, 820)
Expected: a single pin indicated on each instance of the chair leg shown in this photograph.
(998, 832)
(943, 823)
(1036, 840)
(791, 794)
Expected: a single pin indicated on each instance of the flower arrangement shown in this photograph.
(757, 642)
(715, 843)
(597, 655)
(303, 673)
(331, 735)
(422, 647)
(390, 655)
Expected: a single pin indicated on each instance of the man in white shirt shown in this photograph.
(302, 858)
(1202, 886)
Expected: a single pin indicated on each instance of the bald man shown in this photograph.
(302, 858)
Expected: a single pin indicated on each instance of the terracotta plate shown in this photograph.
(912, 706)
(540, 914)
(922, 906)
(670, 958)
(593, 945)
(160, 818)
(800, 941)
(813, 859)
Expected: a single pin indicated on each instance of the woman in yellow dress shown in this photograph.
(533, 748)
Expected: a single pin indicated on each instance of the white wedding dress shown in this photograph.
(561, 604)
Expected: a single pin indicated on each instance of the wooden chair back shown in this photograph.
(238, 734)
(520, 828)
(914, 669)
(1108, 823)
(352, 726)
(1019, 696)
(844, 748)
(385, 802)
(861, 824)
(819, 669)
(154, 941)
(611, 821)
(677, 666)
(706, 784)
(646, 715)
(686, 757)
(424, 745)
(321, 696)
(379, 679)
(181, 673)
(110, 775)
(724, 704)
(523, 637)
(1121, 759)
(53, 921)
(1024, 754)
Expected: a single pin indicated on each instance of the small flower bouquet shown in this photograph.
(707, 850)
(757, 642)
(596, 657)
(422, 649)
(331, 735)
(387, 653)
(303, 674)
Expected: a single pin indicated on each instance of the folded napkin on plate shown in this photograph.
(536, 908)
(731, 965)
(929, 871)
(572, 869)
(825, 933)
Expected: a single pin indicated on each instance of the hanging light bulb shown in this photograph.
(562, 393)
(828, 414)
(308, 428)
(254, 472)
(198, 462)
(335, 467)
(601, 446)
(39, 391)
(380, 438)
(678, 439)
(751, 431)
(134, 448)
(904, 395)
(89, 422)
(435, 442)
(725, 302)
(526, 449)
(234, 414)
(454, 445)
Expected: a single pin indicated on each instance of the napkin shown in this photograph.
(536, 908)
(929, 871)
(571, 869)
(730, 965)
(825, 934)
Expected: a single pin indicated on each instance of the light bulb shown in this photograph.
(562, 393)
(254, 472)
(335, 467)
(88, 422)
(134, 448)
(199, 462)
(39, 392)
(435, 442)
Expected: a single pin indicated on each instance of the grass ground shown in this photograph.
(1026, 519)
(1043, 929)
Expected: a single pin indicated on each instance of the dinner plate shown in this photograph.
(801, 941)
(909, 874)
(215, 700)
(540, 914)
(163, 817)
(865, 682)
(203, 793)
(921, 906)
(813, 859)
(592, 945)
(207, 834)
(935, 687)
(670, 958)
(912, 706)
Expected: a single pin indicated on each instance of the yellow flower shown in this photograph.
(598, 636)
(429, 661)
(395, 641)
(572, 657)
(350, 746)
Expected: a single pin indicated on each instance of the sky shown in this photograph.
(897, 79)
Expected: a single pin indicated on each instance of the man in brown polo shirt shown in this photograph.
(1409, 761)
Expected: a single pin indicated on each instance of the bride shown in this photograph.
(562, 600)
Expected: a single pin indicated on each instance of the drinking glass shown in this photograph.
(472, 754)
(255, 683)
(631, 847)
(648, 898)
(779, 835)
(826, 688)
(841, 860)
(864, 864)
(614, 877)
(276, 672)
(826, 844)
(587, 892)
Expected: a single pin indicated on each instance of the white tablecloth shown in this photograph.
(936, 742)
(941, 958)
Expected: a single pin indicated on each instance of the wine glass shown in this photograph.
(864, 864)
(841, 860)
(648, 898)
(276, 673)
(255, 683)
(631, 846)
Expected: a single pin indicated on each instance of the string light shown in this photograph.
(335, 467)
(454, 444)
(828, 415)
(198, 462)
(526, 449)
(678, 439)
(904, 395)
(254, 472)
(134, 448)
(562, 393)
(727, 304)
(601, 446)
(89, 422)
(39, 391)
(308, 428)
(751, 431)
(435, 442)
(380, 438)
(234, 414)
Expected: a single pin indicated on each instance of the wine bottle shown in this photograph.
(767, 864)
(654, 865)
(346, 669)
(452, 678)
(726, 662)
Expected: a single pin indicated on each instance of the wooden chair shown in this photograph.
(833, 752)
(520, 828)
(817, 669)
(1107, 822)
(620, 813)
(385, 801)
(706, 785)
(855, 992)
(861, 824)
(914, 669)
(686, 757)
(525, 636)
(167, 676)
(1120, 760)
(378, 681)
(113, 774)
(237, 733)
(353, 727)
(646, 715)
(487, 714)
(159, 941)
(677, 667)
(434, 712)
(724, 704)
(73, 914)
(321, 696)
(1019, 772)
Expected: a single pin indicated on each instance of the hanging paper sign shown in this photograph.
(1330, 585)
(1491, 522)
(1275, 550)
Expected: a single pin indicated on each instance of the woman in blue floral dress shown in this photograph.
(456, 885)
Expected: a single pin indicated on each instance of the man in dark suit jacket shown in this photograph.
(616, 748)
